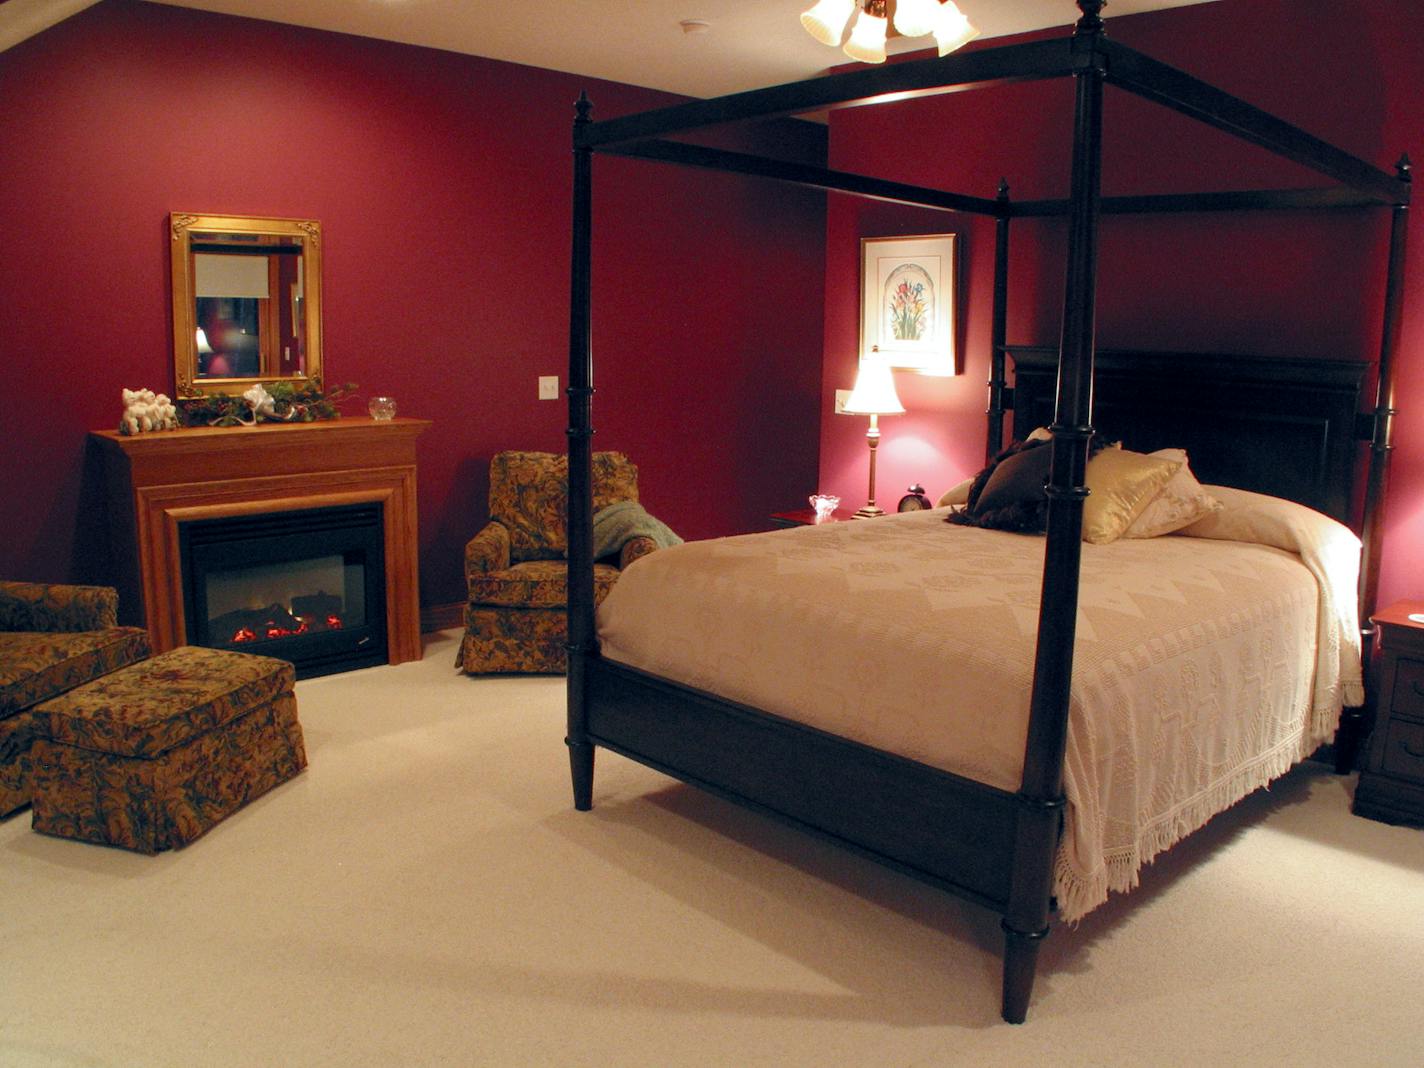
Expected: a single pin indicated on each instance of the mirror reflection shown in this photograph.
(245, 302)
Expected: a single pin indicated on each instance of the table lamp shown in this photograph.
(873, 395)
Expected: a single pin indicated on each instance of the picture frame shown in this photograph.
(908, 301)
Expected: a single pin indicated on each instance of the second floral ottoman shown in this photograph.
(153, 755)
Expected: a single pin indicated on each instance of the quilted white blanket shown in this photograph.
(1203, 668)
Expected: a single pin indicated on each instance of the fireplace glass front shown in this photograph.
(306, 586)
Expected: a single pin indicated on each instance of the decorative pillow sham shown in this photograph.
(1121, 484)
(1181, 502)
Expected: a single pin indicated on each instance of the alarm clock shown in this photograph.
(915, 500)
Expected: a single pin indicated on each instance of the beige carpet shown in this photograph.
(424, 894)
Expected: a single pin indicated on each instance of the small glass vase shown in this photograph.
(382, 408)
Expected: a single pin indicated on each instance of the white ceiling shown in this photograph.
(747, 44)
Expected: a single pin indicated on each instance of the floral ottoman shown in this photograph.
(151, 756)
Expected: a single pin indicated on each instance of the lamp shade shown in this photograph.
(867, 39)
(827, 20)
(953, 30)
(915, 18)
(874, 392)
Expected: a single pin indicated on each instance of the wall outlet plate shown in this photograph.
(842, 395)
(548, 387)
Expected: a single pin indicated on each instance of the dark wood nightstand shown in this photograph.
(806, 517)
(1391, 786)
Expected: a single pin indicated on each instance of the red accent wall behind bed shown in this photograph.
(442, 182)
(1284, 284)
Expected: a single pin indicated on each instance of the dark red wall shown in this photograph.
(1272, 283)
(442, 184)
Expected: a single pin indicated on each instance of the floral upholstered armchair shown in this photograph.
(52, 639)
(516, 568)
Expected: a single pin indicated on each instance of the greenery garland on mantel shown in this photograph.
(289, 404)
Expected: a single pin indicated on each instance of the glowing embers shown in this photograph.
(306, 615)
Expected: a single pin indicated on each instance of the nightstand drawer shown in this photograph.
(1404, 750)
(1408, 696)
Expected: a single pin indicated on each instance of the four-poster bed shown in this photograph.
(1296, 420)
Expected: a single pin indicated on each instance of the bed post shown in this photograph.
(1040, 812)
(580, 445)
(1382, 443)
(999, 330)
(1353, 725)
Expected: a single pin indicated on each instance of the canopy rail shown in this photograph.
(1175, 89)
(679, 152)
(1311, 199)
(1033, 61)
(1117, 64)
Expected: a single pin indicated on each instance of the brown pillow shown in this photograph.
(1008, 494)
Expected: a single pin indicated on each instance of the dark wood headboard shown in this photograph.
(1287, 427)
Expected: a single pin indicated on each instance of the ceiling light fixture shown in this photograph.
(869, 23)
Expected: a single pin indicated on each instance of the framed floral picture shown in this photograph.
(907, 301)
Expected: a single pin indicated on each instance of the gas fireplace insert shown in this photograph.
(306, 586)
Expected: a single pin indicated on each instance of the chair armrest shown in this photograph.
(488, 550)
(50, 607)
(635, 549)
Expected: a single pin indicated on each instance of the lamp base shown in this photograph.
(868, 512)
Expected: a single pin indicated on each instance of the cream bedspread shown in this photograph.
(1203, 667)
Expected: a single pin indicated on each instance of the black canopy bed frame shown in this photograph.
(1298, 418)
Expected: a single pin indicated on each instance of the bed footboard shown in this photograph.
(941, 828)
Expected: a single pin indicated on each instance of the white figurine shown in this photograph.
(146, 410)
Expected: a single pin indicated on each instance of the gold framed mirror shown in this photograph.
(246, 302)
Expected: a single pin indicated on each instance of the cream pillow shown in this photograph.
(1179, 503)
(1121, 485)
(956, 494)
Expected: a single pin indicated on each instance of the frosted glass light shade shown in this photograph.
(874, 392)
(915, 18)
(953, 30)
(827, 20)
(867, 39)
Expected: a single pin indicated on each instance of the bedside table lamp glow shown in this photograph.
(873, 395)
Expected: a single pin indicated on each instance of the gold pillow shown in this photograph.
(1121, 485)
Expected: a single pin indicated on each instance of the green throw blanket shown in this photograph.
(621, 522)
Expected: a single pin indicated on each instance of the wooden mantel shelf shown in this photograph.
(158, 480)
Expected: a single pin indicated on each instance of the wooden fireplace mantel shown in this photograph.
(161, 479)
